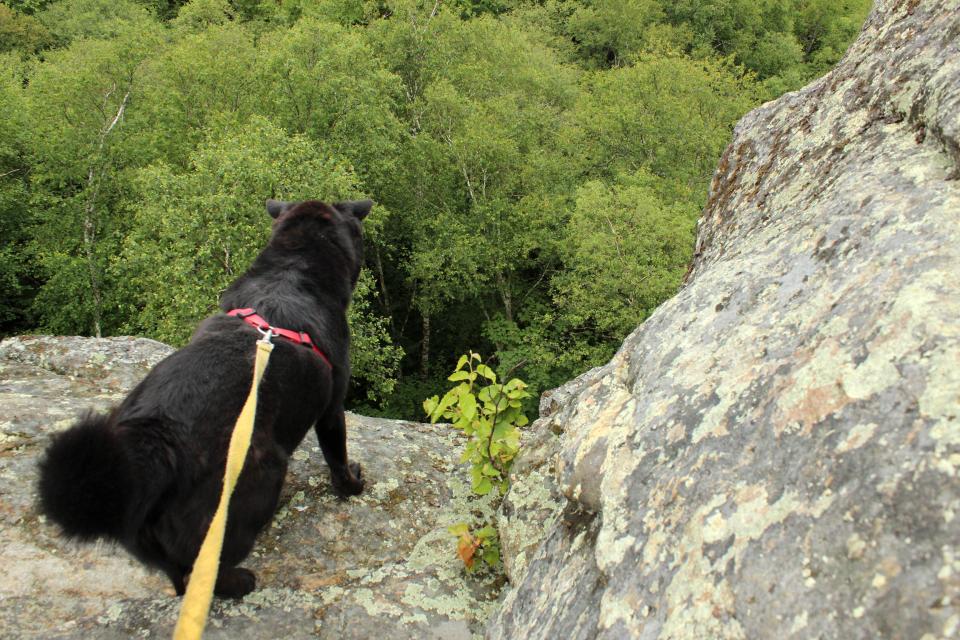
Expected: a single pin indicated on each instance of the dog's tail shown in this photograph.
(86, 480)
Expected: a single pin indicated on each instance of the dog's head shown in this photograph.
(315, 225)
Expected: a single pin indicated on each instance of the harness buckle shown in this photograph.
(266, 333)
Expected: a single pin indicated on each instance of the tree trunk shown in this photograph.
(504, 286)
(94, 177)
(382, 281)
(425, 348)
(89, 241)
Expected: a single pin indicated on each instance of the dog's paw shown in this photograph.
(350, 482)
(235, 582)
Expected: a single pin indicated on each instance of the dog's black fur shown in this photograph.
(149, 474)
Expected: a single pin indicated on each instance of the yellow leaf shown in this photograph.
(466, 548)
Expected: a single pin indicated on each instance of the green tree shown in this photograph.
(342, 12)
(68, 20)
(197, 229)
(374, 359)
(27, 7)
(199, 77)
(78, 102)
(21, 32)
(323, 80)
(825, 29)
(15, 215)
(626, 252)
(669, 115)
(607, 31)
(786, 43)
(537, 164)
(483, 104)
(199, 15)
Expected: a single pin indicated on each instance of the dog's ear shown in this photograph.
(358, 208)
(276, 207)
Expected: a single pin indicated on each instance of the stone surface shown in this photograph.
(381, 565)
(774, 453)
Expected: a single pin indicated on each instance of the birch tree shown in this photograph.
(79, 102)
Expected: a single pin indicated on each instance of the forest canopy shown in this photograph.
(538, 165)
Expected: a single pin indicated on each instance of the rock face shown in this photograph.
(381, 565)
(774, 453)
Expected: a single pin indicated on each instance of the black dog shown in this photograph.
(149, 474)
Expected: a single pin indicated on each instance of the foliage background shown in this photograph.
(538, 165)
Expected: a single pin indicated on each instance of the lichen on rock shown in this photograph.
(773, 453)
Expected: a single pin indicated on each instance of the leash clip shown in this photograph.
(266, 333)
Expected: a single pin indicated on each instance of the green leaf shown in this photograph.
(459, 375)
(459, 529)
(486, 533)
(483, 429)
(486, 372)
(462, 361)
(445, 403)
(503, 429)
(483, 487)
(468, 404)
(430, 404)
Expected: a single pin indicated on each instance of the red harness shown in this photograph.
(250, 317)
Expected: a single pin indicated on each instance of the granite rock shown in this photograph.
(774, 452)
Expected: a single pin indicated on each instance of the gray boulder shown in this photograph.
(379, 565)
(774, 453)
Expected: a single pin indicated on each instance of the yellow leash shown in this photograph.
(196, 602)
